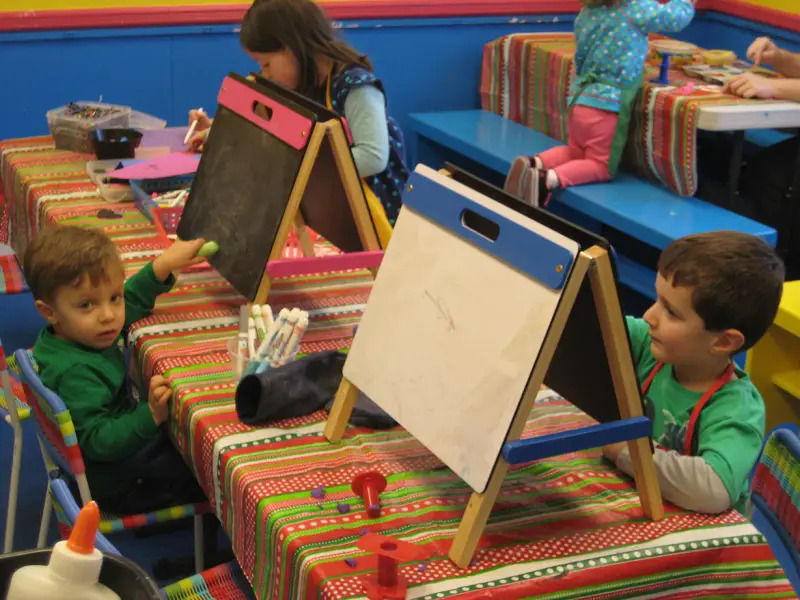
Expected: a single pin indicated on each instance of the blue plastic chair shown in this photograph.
(60, 451)
(13, 410)
(223, 582)
(67, 510)
(775, 497)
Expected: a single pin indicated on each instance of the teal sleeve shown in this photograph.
(580, 49)
(731, 432)
(141, 292)
(652, 16)
(365, 112)
(103, 436)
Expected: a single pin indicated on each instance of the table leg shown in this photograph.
(792, 244)
(734, 169)
(794, 190)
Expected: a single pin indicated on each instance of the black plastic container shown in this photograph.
(115, 143)
(124, 577)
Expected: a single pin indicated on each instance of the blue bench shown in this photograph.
(645, 211)
(765, 137)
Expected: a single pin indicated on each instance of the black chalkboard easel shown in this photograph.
(273, 160)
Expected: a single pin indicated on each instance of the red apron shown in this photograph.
(724, 378)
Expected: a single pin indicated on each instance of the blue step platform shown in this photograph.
(641, 209)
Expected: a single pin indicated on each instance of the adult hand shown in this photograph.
(762, 51)
(750, 85)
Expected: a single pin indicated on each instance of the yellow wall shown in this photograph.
(791, 6)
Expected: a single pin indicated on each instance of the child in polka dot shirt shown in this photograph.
(611, 41)
(295, 45)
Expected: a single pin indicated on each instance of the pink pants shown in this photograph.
(585, 159)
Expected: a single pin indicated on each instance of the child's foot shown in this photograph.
(535, 186)
(551, 182)
(516, 175)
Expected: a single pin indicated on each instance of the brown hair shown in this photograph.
(737, 280)
(301, 27)
(62, 255)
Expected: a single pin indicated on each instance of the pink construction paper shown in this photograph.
(169, 165)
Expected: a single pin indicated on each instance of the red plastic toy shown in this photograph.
(369, 486)
(388, 584)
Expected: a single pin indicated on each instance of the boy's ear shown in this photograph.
(46, 311)
(728, 342)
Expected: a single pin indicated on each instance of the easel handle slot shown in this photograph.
(281, 121)
(480, 225)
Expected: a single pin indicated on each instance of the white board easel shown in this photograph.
(460, 328)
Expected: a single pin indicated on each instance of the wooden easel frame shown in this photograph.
(634, 428)
(332, 132)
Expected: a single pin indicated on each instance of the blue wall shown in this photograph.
(714, 30)
(426, 64)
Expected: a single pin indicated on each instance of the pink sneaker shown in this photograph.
(516, 176)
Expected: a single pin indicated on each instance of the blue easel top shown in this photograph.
(538, 257)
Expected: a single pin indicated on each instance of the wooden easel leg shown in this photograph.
(263, 289)
(646, 478)
(480, 505)
(615, 339)
(306, 245)
(292, 210)
(352, 186)
(475, 517)
(342, 407)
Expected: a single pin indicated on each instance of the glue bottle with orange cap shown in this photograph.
(73, 571)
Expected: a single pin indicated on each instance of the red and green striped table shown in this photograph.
(526, 77)
(568, 527)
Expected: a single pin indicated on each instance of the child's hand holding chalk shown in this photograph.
(199, 123)
(182, 254)
(208, 249)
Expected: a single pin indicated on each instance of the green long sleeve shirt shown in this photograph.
(109, 424)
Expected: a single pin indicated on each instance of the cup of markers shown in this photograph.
(265, 342)
(240, 358)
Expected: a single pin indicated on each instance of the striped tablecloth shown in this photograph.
(526, 78)
(568, 527)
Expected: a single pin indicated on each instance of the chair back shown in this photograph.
(775, 494)
(67, 509)
(57, 436)
(12, 409)
(223, 581)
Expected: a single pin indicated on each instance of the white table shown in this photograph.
(769, 114)
(737, 118)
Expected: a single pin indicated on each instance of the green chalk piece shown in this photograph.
(208, 249)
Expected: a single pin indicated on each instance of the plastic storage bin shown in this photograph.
(71, 125)
(166, 220)
(123, 576)
(111, 192)
(144, 188)
(140, 120)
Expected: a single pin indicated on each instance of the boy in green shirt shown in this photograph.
(717, 294)
(77, 280)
